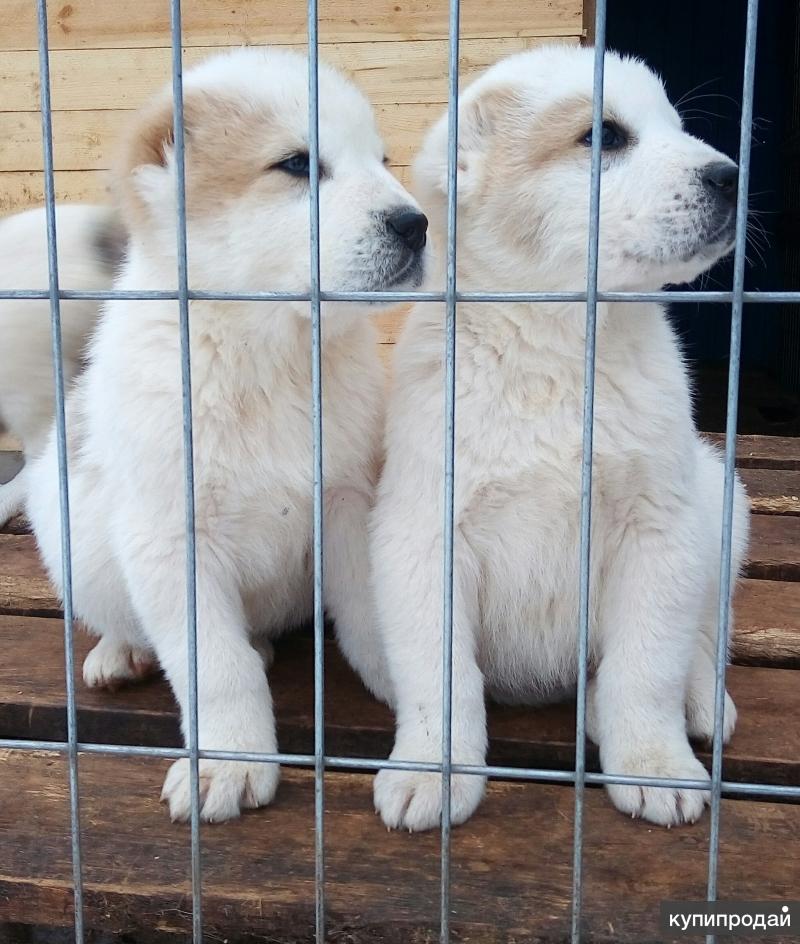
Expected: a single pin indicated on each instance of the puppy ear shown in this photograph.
(141, 171)
(480, 118)
(479, 122)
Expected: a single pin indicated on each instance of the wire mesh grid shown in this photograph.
(319, 761)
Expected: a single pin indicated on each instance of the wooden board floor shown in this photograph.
(511, 872)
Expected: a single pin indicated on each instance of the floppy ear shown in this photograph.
(479, 122)
(141, 170)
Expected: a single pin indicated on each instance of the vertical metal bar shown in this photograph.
(316, 390)
(188, 461)
(725, 581)
(586, 466)
(449, 464)
(63, 486)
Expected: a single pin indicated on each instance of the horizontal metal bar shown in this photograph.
(731, 787)
(663, 297)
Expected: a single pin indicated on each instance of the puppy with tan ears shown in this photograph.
(247, 195)
(90, 246)
(667, 213)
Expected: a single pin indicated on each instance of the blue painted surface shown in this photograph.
(690, 43)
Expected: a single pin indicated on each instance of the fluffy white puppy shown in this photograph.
(247, 196)
(666, 213)
(90, 243)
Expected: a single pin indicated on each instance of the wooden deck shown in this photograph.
(511, 870)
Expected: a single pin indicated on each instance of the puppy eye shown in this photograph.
(296, 164)
(613, 137)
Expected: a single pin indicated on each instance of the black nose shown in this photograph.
(721, 179)
(410, 225)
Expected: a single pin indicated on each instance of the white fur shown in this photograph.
(657, 491)
(251, 391)
(27, 386)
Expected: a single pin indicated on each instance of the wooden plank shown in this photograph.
(22, 189)
(24, 586)
(774, 552)
(763, 452)
(765, 748)
(388, 72)
(511, 864)
(83, 24)
(85, 140)
(767, 623)
(772, 491)
(774, 555)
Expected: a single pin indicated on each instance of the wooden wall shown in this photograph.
(108, 56)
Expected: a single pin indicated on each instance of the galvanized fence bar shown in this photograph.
(532, 774)
(383, 298)
(188, 462)
(317, 473)
(725, 582)
(449, 463)
(63, 484)
(584, 612)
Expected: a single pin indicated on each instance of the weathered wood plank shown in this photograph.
(388, 72)
(765, 748)
(24, 585)
(85, 140)
(774, 552)
(774, 555)
(511, 864)
(763, 452)
(82, 24)
(21, 189)
(772, 491)
(767, 623)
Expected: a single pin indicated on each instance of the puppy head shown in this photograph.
(668, 200)
(247, 182)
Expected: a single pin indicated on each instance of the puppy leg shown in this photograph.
(12, 496)
(648, 623)
(348, 593)
(234, 701)
(99, 593)
(701, 693)
(408, 586)
(122, 655)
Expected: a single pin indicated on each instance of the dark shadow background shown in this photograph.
(698, 48)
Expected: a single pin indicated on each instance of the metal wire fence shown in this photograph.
(319, 761)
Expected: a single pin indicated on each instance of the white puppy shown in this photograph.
(90, 243)
(247, 196)
(667, 212)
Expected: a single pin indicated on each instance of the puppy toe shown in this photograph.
(226, 788)
(413, 800)
(664, 806)
(113, 663)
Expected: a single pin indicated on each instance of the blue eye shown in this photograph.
(296, 164)
(613, 137)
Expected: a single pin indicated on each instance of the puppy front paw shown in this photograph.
(226, 788)
(412, 800)
(665, 806)
(113, 663)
